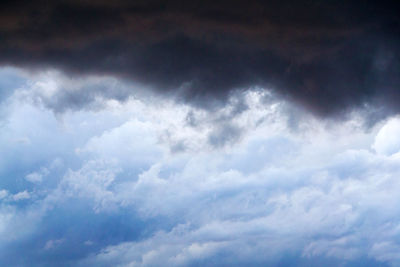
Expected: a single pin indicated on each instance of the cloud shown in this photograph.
(10, 79)
(21, 196)
(223, 135)
(114, 193)
(62, 93)
(333, 217)
(329, 57)
(37, 177)
(387, 141)
(386, 251)
(52, 244)
(3, 194)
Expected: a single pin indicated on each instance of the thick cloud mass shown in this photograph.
(330, 56)
(147, 182)
(199, 133)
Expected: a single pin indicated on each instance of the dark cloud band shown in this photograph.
(329, 56)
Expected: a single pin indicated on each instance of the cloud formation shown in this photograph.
(107, 188)
(330, 57)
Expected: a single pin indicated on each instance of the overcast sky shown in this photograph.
(201, 133)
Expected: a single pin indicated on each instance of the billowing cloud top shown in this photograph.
(329, 56)
(149, 182)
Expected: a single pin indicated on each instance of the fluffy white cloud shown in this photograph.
(387, 141)
(248, 183)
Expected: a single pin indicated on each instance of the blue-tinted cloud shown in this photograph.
(105, 187)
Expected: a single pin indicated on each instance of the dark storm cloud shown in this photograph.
(326, 55)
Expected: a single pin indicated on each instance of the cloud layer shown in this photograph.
(330, 57)
(147, 183)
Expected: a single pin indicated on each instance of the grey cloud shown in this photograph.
(77, 94)
(330, 57)
(223, 135)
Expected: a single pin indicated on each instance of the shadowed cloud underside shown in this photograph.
(329, 56)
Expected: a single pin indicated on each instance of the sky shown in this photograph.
(199, 133)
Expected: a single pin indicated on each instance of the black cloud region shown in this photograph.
(329, 56)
